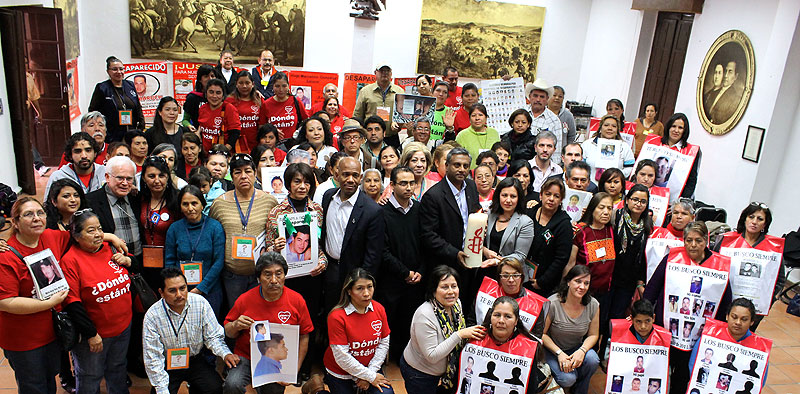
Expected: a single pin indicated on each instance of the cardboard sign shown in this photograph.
(486, 368)
(408, 107)
(352, 85)
(658, 245)
(673, 165)
(754, 271)
(302, 242)
(634, 367)
(275, 358)
(574, 202)
(48, 278)
(691, 294)
(726, 366)
(152, 81)
(409, 85)
(312, 83)
(530, 305)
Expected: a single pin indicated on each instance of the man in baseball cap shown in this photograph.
(378, 99)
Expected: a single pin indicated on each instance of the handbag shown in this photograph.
(146, 296)
(66, 334)
(794, 306)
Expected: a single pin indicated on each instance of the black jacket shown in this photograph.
(230, 84)
(523, 147)
(551, 255)
(105, 100)
(265, 91)
(98, 201)
(402, 249)
(442, 225)
(362, 244)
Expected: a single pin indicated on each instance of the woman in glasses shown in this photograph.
(159, 209)
(510, 274)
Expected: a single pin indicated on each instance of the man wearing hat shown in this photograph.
(351, 139)
(538, 93)
(378, 99)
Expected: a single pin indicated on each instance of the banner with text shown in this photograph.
(152, 81)
(487, 368)
(352, 85)
(673, 166)
(633, 365)
(312, 84)
(530, 305)
(754, 270)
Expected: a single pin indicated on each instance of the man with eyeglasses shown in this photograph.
(116, 207)
(400, 273)
(421, 132)
(80, 151)
(351, 139)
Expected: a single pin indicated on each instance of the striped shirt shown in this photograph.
(549, 121)
(226, 212)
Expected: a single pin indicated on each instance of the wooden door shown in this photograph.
(666, 62)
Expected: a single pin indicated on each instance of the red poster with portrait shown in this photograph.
(184, 75)
(307, 86)
(352, 84)
(408, 84)
(72, 89)
(636, 367)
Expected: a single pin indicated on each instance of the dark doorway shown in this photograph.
(35, 64)
(666, 62)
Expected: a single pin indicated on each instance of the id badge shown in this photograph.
(193, 271)
(600, 252)
(125, 117)
(178, 358)
(383, 113)
(153, 256)
(243, 246)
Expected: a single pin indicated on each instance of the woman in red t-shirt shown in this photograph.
(283, 109)
(26, 324)
(99, 302)
(192, 155)
(331, 107)
(359, 336)
(252, 112)
(269, 135)
(217, 121)
(159, 209)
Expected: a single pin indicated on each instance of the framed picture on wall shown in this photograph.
(752, 143)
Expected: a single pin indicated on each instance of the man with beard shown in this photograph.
(80, 151)
(93, 123)
(541, 164)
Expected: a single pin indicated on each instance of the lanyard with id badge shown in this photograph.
(243, 244)
(177, 358)
(192, 269)
(125, 114)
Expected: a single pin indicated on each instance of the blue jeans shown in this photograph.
(579, 378)
(35, 370)
(236, 285)
(342, 386)
(111, 363)
(239, 377)
(417, 382)
(214, 298)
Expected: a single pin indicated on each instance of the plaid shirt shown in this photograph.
(200, 328)
(548, 120)
(125, 223)
(285, 208)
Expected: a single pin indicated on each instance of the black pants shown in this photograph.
(202, 378)
(310, 287)
(679, 363)
(400, 301)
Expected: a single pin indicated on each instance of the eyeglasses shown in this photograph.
(639, 201)
(759, 204)
(30, 214)
(423, 128)
(510, 276)
(121, 179)
(406, 183)
(355, 137)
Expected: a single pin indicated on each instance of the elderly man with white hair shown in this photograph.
(539, 92)
(330, 90)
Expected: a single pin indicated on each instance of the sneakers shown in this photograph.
(43, 170)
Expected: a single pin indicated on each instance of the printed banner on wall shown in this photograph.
(530, 306)
(72, 89)
(633, 365)
(486, 368)
(352, 85)
(753, 270)
(312, 84)
(409, 85)
(152, 82)
(184, 75)
(501, 98)
(673, 166)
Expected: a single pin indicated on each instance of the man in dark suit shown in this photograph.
(352, 230)
(728, 99)
(445, 209)
(226, 71)
(572, 153)
(260, 74)
(711, 95)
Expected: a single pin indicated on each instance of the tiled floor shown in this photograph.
(783, 378)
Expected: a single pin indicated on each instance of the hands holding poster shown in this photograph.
(575, 202)
(635, 367)
(486, 368)
(754, 270)
(274, 352)
(673, 165)
(408, 107)
(302, 242)
(48, 279)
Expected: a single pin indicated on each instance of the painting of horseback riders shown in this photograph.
(197, 30)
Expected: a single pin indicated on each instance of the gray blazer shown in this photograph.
(517, 238)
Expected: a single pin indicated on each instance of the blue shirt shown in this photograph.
(182, 236)
(693, 357)
(267, 366)
(461, 201)
(215, 191)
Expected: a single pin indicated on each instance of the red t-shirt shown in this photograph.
(85, 179)
(318, 107)
(454, 99)
(362, 333)
(102, 286)
(596, 250)
(251, 115)
(336, 125)
(462, 120)
(26, 332)
(100, 159)
(213, 124)
(284, 115)
(289, 309)
(155, 234)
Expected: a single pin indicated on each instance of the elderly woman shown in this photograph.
(417, 157)
(647, 125)
(510, 273)
(484, 181)
(372, 184)
(117, 100)
(610, 128)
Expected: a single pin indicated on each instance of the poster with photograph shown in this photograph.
(303, 95)
(488, 368)
(610, 152)
(501, 98)
(274, 359)
(692, 293)
(409, 84)
(724, 365)
(152, 82)
(408, 107)
(754, 270)
(48, 279)
(574, 202)
(313, 84)
(657, 246)
(302, 243)
(628, 130)
(530, 306)
(673, 166)
(659, 203)
(272, 182)
(352, 85)
(635, 368)
(73, 90)
(184, 75)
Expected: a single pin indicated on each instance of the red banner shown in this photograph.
(632, 366)
(658, 245)
(151, 81)
(405, 83)
(72, 89)
(184, 75)
(307, 86)
(352, 84)
(530, 305)
(486, 367)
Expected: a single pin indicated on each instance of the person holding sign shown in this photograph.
(438, 330)
(358, 331)
(610, 128)
(196, 246)
(593, 246)
(116, 99)
(243, 215)
(571, 330)
(552, 241)
(510, 274)
(99, 303)
(679, 273)
(271, 301)
(477, 137)
(176, 330)
(676, 136)
(753, 276)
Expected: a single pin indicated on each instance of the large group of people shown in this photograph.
(186, 208)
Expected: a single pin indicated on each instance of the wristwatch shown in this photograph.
(558, 353)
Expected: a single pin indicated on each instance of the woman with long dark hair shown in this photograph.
(287, 111)
(197, 97)
(522, 170)
(166, 128)
(317, 132)
(65, 198)
(552, 241)
(251, 109)
(192, 155)
(159, 209)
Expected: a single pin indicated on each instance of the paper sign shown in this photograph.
(574, 202)
(486, 368)
(312, 83)
(184, 75)
(408, 107)
(633, 367)
(657, 246)
(275, 359)
(177, 358)
(673, 166)
(272, 182)
(754, 271)
(302, 242)
(501, 98)
(193, 271)
(530, 305)
(152, 81)
(47, 274)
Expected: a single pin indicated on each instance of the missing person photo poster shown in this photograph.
(274, 359)
(408, 107)
(673, 167)
(698, 289)
(657, 246)
(723, 365)
(184, 75)
(301, 231)
(574, 202)
(754, 270)
(313, 84)
(628, 130)
(272, 182)
(352, 84)
(610, 151)
(501, 98)
(635, 367)
(152, 82)
(530, 306)
(48, 279)
(488, 368)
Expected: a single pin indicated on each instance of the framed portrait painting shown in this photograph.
(725, 82)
